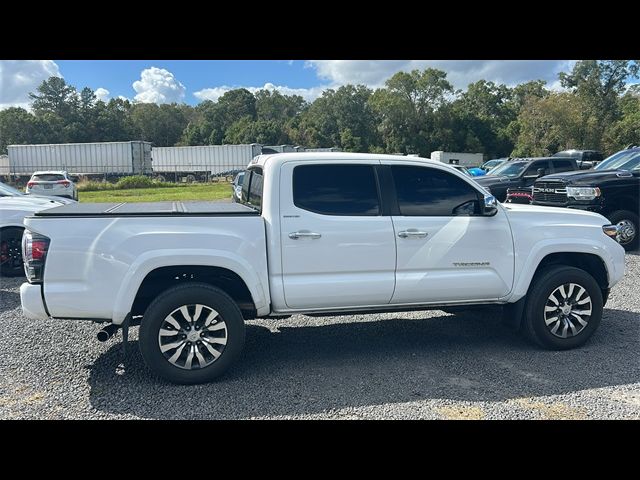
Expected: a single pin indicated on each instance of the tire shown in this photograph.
(11, 252)
(169, 303)
(553, 281)
(629, 235)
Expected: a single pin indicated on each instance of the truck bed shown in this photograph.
(149, 209)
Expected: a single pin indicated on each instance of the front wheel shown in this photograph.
(191, 333)
(628, 228)
(564, 308)
(11, 252)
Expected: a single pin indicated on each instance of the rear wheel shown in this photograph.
(564, 308)
(192, 333)
(628, 226)
(11, 252)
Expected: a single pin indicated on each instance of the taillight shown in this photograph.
(30, 184)
(34, 255)
(65, 183)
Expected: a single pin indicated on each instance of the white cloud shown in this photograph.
(215, 93)
(157, 85)
(102, 94)
(459, 72)
(20, 77)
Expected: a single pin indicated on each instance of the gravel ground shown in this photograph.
(427, 365)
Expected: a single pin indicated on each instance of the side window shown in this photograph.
(562, 166)
(336, 189)
(533, 168)
(424, 191)
(252, 188)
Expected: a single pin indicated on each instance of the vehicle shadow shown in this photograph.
(309, 369)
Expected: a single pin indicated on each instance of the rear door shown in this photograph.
(560, 166)
(338, 250)
(447, 251)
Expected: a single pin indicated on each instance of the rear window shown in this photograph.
(47, 177)
(252, 188)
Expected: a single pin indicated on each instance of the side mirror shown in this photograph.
(540, 172)
(489, 206)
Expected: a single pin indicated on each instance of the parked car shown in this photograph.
(237, 186)
(53, 183)
(585, 159)
(487, 166)
(316, 234)
(476, 171)
(523, 172)
(611, 189)
(14, 206)
(523, 195)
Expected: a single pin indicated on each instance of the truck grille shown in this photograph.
(550, 192)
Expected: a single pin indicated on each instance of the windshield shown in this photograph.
(7, 191)
(624, 160)
(509, 169)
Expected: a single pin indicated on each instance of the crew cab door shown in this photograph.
(446, 250)
(338, 250)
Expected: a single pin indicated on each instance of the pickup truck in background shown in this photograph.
(521, 173)
(585, 159)
(611, 189)
(317, 234)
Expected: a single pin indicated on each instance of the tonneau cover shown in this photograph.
(146, 209)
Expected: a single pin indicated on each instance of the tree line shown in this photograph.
(415, 112)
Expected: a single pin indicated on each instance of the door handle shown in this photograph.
(304, 234)
(412, 233)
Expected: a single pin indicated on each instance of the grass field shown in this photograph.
(216, 191)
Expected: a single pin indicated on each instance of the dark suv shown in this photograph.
(611, 189)
(521, 173)
(584, 158)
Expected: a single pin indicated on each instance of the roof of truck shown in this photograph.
(281, 157)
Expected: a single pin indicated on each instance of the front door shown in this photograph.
(447, 251)
(337, 248)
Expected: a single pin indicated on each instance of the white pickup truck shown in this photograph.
(316, 233)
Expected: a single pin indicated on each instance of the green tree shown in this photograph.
(406, 109)
(599, 84)
(17, 126)
(162, 125)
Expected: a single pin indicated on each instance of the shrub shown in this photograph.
(136, 181)
(92, 185)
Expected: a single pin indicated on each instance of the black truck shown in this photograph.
(521, 173)
(611, 189)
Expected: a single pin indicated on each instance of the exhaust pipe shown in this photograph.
(107, 332)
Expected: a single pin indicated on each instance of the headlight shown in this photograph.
(583, 193)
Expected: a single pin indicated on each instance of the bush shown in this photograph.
(136, 181)
(125, 183)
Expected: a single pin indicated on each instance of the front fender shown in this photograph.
(610, 253)
(154, 259)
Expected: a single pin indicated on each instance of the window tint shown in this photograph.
(426, 191)
(48, 177)
(562, 165)
(336, 189)
(252, 188)
(533, 168)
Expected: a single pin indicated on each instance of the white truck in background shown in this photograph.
(457, 158)
(316, 234)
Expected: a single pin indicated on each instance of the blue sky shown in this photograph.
(192, 81)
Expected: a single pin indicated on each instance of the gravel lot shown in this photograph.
(403, 365)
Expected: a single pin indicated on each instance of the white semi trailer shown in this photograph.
(105, 159)
(202, 162)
